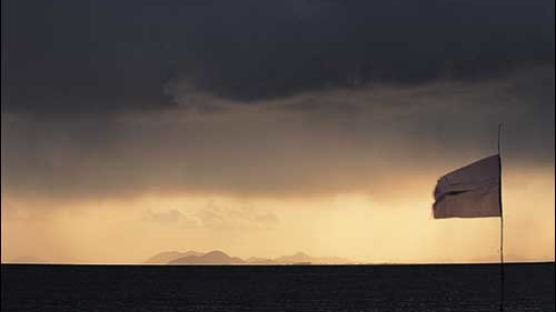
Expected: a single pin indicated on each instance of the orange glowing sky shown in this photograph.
(266, 128)
(266, 183)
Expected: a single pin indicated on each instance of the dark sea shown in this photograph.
(528, 287)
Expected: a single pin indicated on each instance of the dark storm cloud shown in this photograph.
(305, 96)
(103, 56)
(389, 135)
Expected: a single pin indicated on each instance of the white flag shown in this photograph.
(470, 192)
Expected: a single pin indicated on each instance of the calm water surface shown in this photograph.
(529, 287)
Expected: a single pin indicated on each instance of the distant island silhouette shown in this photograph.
(27, 260)
(220, 257)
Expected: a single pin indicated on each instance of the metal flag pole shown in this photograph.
(501, 224)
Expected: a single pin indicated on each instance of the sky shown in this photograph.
(264, 128)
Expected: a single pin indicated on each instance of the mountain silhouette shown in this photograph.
(295, 258)
(257, 260)
(167, 256)
(27, 260)
(219, 257)
(213, 257)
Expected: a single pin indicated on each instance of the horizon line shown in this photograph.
(278, 264)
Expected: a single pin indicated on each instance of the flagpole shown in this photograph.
(501, 225)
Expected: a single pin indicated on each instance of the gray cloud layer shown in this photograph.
(266, 97)
(66, 56)
(315, 142)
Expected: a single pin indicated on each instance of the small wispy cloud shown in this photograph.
(216, 217)
(171, 217)
(240, 218)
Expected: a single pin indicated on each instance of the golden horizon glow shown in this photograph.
(390, 228)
